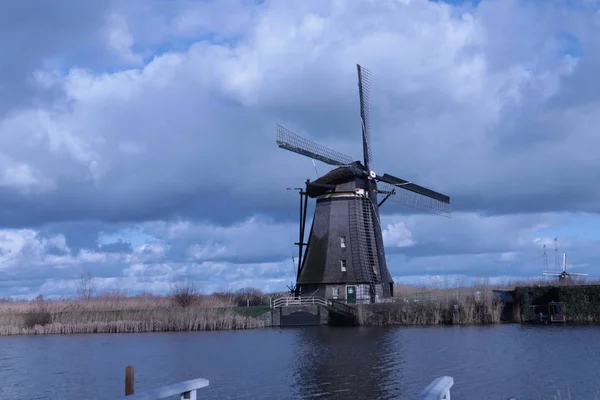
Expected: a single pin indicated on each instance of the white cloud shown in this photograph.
(397, 235)
(229, 257)
(120, 40)
(182, 147)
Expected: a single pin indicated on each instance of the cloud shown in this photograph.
(120, 40)
(155, 125)
(397, 235)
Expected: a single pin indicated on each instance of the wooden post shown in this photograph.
(129, 375)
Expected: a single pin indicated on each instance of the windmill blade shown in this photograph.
(576, 274)
(414, 199)
(401, 183)
(551, 273)
(288, 140)
(364, 87)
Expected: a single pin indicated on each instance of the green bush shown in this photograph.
(582, 302)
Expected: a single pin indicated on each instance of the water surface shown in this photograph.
(314, 362)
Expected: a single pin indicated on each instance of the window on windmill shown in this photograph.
(343, 265)
(343, 242)
(336, 292)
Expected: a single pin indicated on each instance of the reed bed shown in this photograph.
(127, 321)
(145, 313)
(454, 288)
(463, 306)
(186, 309)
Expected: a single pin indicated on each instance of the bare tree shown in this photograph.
(249, 296)
(185, 294)
(86, 285)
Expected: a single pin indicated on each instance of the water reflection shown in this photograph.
(341, 363)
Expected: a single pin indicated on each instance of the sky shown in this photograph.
(137, 139)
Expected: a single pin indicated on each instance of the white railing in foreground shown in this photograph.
(439, 389)
(187, 390)
(298, 301)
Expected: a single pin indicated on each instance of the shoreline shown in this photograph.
(187, 311)
(131, 321)
(47, 318)
(51, 332)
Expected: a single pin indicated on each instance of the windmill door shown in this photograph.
(351, 294)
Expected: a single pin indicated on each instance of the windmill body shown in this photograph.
(345, 254)
(344, 257)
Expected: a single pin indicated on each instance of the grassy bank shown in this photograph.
(121, 314)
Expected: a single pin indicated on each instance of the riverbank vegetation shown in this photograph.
(450, 302)
(581, 302)
(185, 309)
(435, 306)
(432, 312)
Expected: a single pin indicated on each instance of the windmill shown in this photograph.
(344, 257)
(563, 276)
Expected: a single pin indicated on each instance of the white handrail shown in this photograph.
(298, 301)
(439, 389)
(187, 390)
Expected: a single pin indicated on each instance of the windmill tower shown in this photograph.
(344, 257)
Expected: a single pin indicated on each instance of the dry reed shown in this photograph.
(431, 312)
(120, 314)
(428, 305)
(186, 309)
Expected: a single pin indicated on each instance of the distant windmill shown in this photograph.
(563, 275)
(344, 257)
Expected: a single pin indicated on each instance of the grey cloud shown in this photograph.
(116, 247)
(470, 245)
(489, 116)
(468, 234)
(34, 34)
(191, 147)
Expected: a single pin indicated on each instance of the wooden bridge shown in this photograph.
(439, 389)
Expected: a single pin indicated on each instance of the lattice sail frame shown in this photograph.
(288, 140)
(364, 86)
(414, 200)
